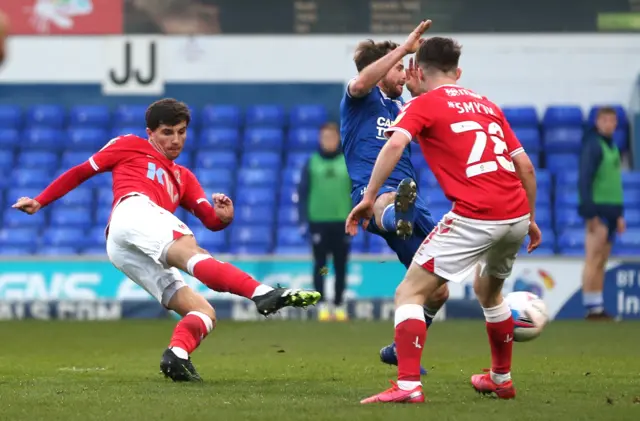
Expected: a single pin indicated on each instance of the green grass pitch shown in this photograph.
(278, 370)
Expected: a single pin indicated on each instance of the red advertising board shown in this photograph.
(63, 17)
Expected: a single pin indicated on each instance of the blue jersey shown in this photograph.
(362, 124)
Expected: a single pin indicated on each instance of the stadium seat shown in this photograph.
(48, 250)
(72, 237)
(89, 139)
(102, 216)
(623, 121)
(557, 163)
(567, 217)
(105, 197)
(543, 178)
(529, 137)
(563, 140)
(544, 196)
(418, 161)
(621, 139)
(10, 116)
(258, 177)
(571, 238)
(72, 158)
(251, 234)
(435, 196)
(291, 176)
(96, 237)
(535, 159)
(252, 214)
(210, 177)
(42, 139)
(227, 189)
(129, 115)
(222, 116)
(6, 159)
(567, 179)
(94, 251)
(297, 159)
(523, 116)
(38, 160)
(265, 139)
(97, 116)
(184, 159)
(308, 116)
(16, 250)
(21, 237)
(35, 178)
(359, 243)
(288, 215)
(219, 139)
(263, 160)
(100, 180)
(378, 245)
(13, 193)
(290, 236)
(214, 242)
(138, 130)
(9, 139)
(303, 139)
(249, 249)
(62, 216)
(563, 116)
(80, 197)
(632, 217)
(215, 160)
(46, 115)
(256, 196)
(264, 116)
(289, 195)
(567, 196)
(544, 217)
(632, 198)
(427, 180)
(14, 219)
(630, 239)
(295, 250)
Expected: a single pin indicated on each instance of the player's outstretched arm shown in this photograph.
(215, 217)
(387, 160)
(373, 73)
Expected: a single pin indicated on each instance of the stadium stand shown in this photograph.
(255, 155)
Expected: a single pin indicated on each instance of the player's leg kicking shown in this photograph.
(451, 253)
(149, 245)
(405, 222)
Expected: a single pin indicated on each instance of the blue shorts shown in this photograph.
(609, 215)
(422, 226)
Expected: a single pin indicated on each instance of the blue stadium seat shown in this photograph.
(359, 243)
(632, 218)
(220, 139)
(544, 217)
(563, 140)
(307, 116)
(100, 180)
(543, 178)
(46, 115)
(567, 179)
(210, 177)
(623, 121)
(105, 197)
(13, 219)
(266, 139)
(216, 160)
(227, 189)
(42, 139)
(630, 240)
(621, 139)
(544, 196)
(73, 158)
(96, 237)
(31, 178)
(567, 217)
(265, 160)
(418, 161)
(129, 115)
(434, 197)
(297, 159)
(139, 131)
(214, 242)
(102, 216)
(9, 139)
(288, 215)
(72, 237)
(567, 196)
(524, 116)
(94, 251)
(559, 162)
(13, 193)
(251, 234)
(632, 198)
(48, 250)
(265, 116)
(439, 210)
(18, 236)
(38, 160)
(535, 159)
(296, 250)
(184, 159)
(221, 116)
(291, 176)
(88, 139)
(529, 138)
(563, 116)
(10, 116)
(256, 196)
(62, 216)
(378, 245)
(303, 139)
(258, 177)
(191, 143)
(16, 250)
(253, 214)
(427, 179)
(81, 197)
(6, 159)
(571, 238)
(289, 195)
(97, 116)
(249, 249)
(290, 236)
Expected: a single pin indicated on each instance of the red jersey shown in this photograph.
(138, 167)
(468, 144)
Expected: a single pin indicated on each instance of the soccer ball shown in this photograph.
(529, 315)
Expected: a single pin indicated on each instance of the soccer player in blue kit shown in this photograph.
(370, 104)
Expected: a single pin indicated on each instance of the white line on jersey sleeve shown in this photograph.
(388, 132)
(517, 152)
(202, 199)
(93, 164)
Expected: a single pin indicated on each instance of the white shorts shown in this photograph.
(139, 234)
(456, 245)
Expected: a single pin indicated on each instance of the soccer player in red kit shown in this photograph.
(485, 172)
(149, 244)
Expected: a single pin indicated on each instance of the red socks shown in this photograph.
(411, 333)
(190, 331)
(221, 277)
(500, 331)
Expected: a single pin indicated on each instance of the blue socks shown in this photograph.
(389, 218)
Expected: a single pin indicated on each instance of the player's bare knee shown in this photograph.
(440, 296)
(381, 204)
(181, 250)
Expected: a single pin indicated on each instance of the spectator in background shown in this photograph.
(325, 202)
(601, 206)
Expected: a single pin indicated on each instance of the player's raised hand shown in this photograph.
(413, 78)
(223, 206)
(414, 40)
(535, 237)
(362, 212)
(27, 205)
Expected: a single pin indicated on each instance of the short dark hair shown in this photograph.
(606, 111)
(368, 52)
(439, 53)
(167, 111)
